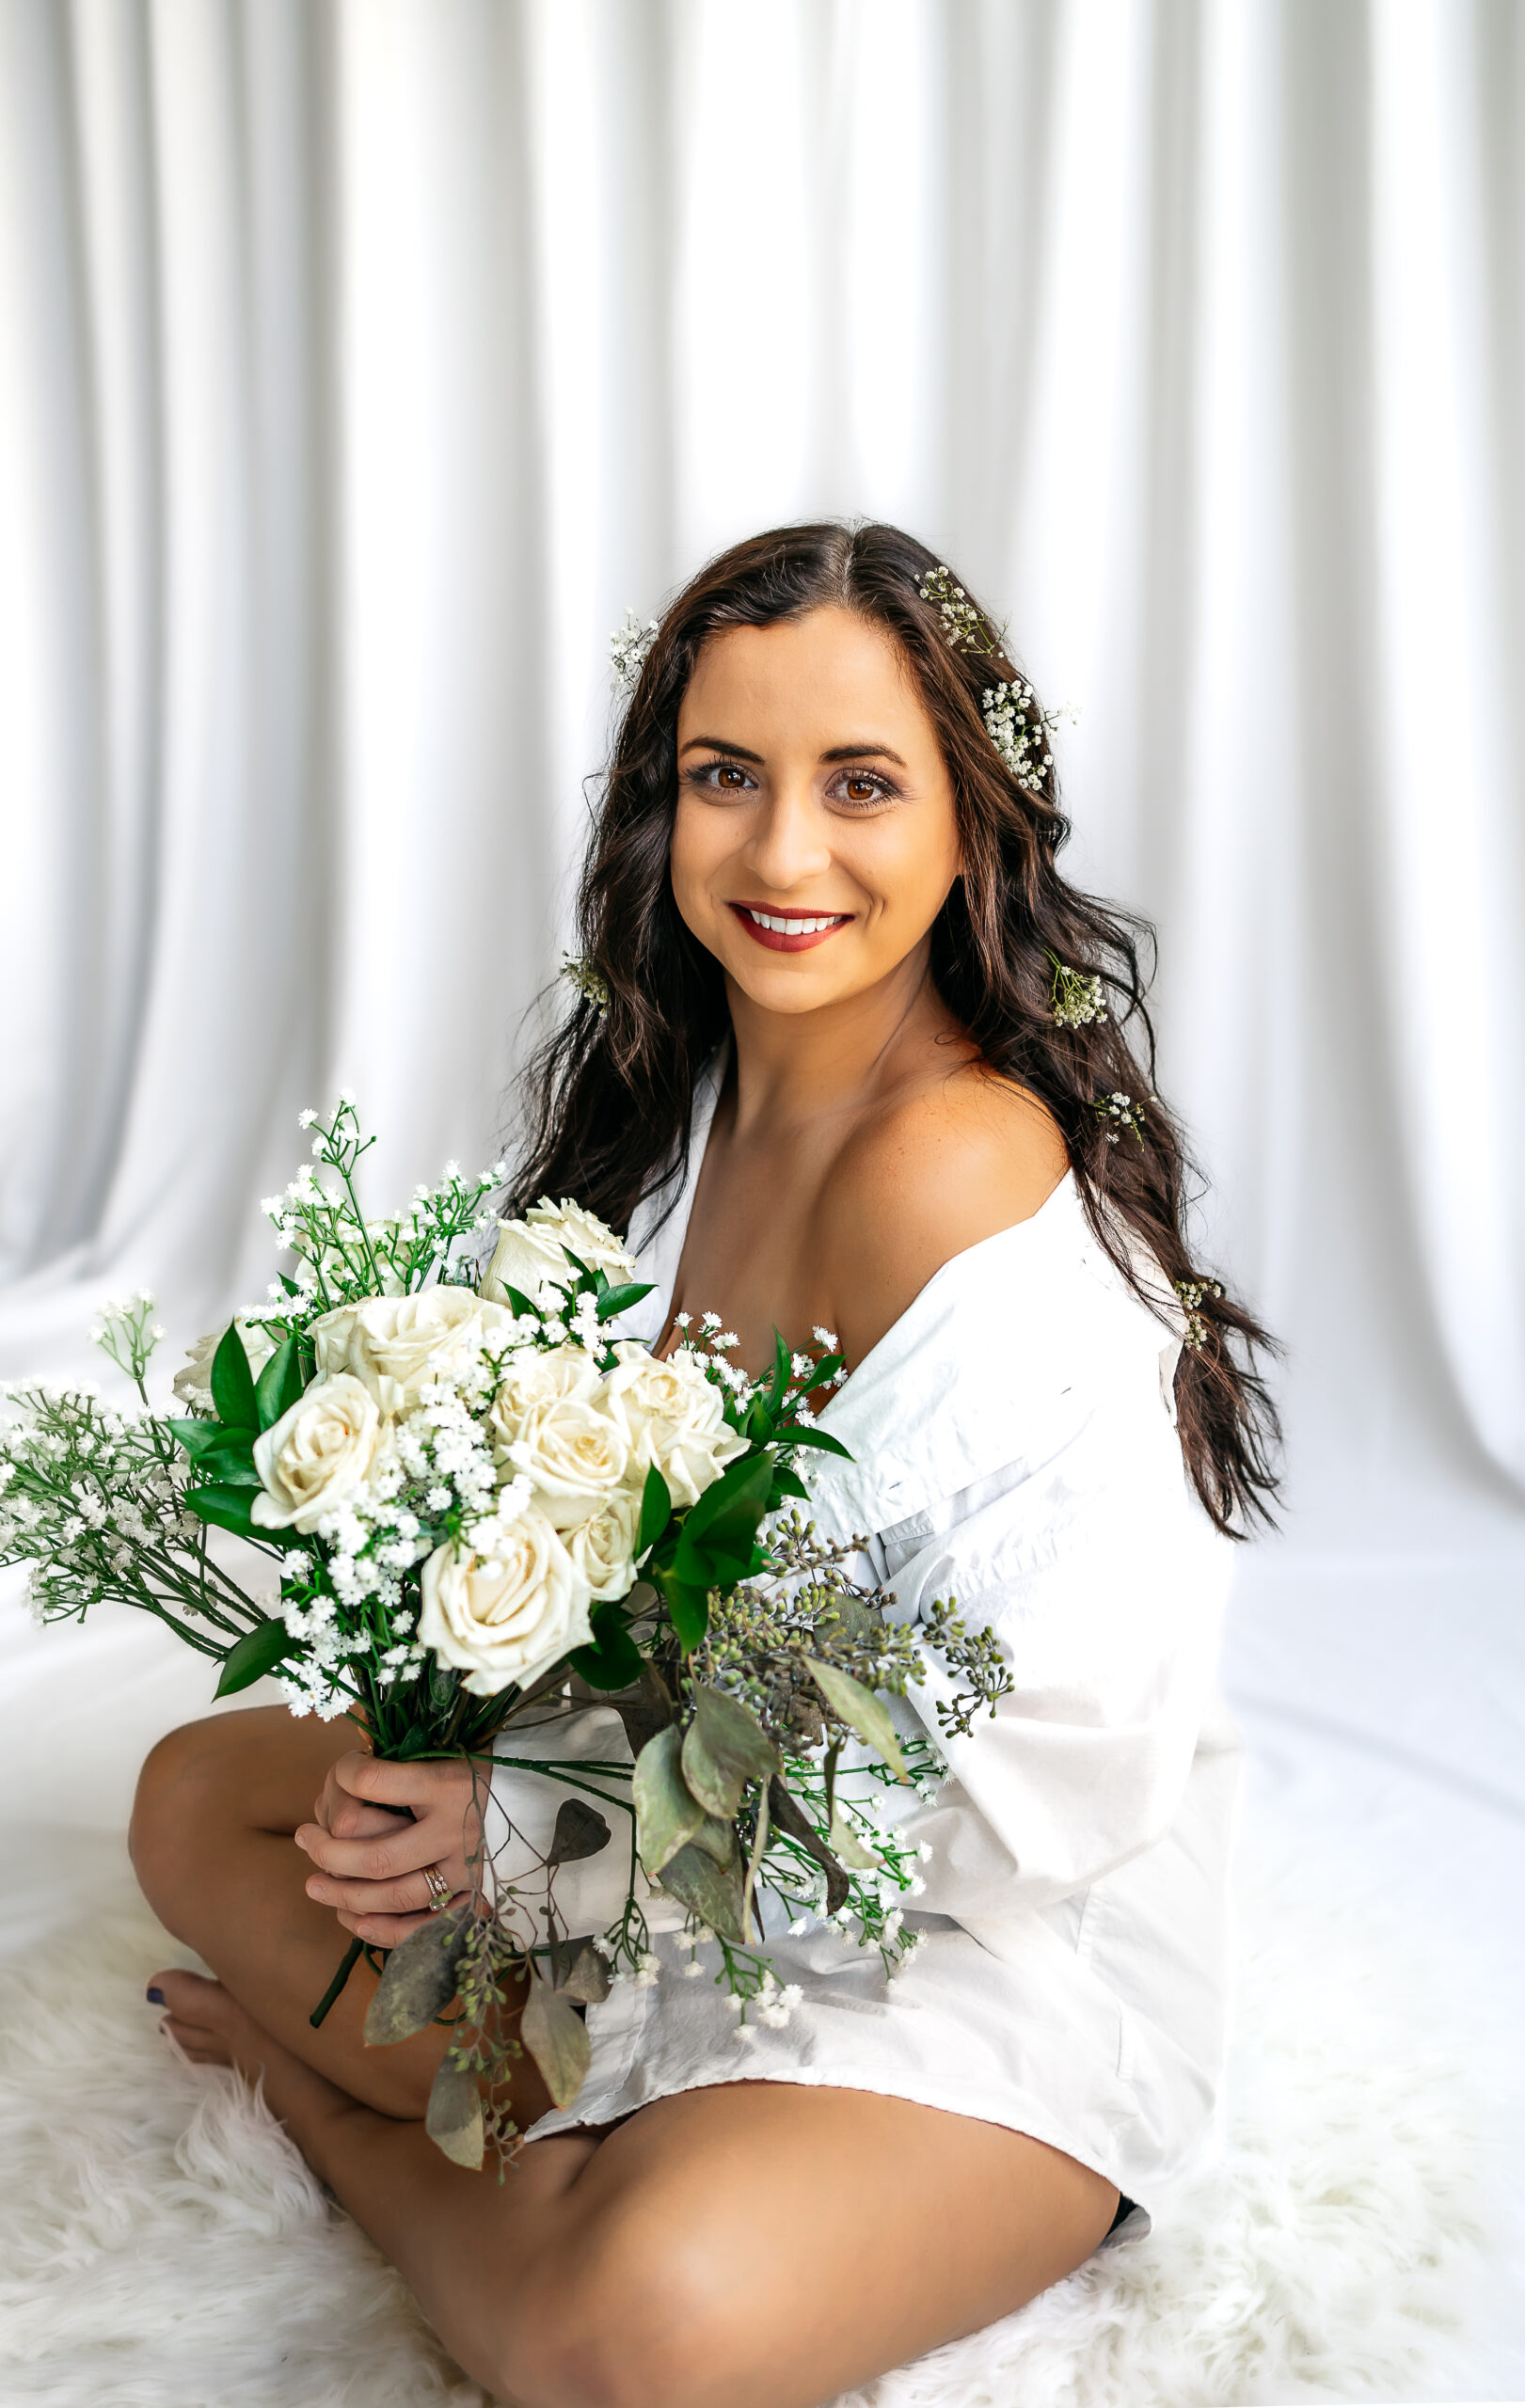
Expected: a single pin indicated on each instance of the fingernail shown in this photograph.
(300, 1841)
(155, 1996)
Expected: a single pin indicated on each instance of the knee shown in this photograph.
(641, 2318)
(171, 1810)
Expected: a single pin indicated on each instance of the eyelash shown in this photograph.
(704, 775)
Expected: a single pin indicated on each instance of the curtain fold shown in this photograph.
(362, 360)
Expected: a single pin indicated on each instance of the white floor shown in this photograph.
(1384, 1703)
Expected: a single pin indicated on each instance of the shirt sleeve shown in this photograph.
(1104, 1583)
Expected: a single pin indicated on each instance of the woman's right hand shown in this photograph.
(369, 1865)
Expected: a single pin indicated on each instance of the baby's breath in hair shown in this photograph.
(587, 979)
(1120, 1111)
(1191, 1293)
(1077, 996)
(966, 627)
(1018, 727)
(628, 649)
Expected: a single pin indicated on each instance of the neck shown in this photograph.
(794, 1066)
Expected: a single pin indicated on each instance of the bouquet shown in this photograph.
(446, 1499)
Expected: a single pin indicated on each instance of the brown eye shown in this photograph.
(727, 775)
(861, 789)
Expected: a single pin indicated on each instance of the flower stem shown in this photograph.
(351, 1958)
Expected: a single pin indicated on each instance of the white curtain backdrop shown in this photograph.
(360, 362)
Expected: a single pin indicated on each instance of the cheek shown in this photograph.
(913, 874)
(698, 848)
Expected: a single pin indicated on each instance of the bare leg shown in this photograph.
(212, 1845)
(757, 2245)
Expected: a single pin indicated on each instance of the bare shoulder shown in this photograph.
(930, 1174)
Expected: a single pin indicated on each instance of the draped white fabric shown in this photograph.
(362, 361)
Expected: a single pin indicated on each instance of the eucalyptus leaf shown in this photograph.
(789, 1815)
(557, 2038)
(419, 1979)
(719, 1841)
(257, 1653)
(850, 1850)
(233, 1383)
(581, 1830)
(667, 1814)
(454, 2116)
(861, 1711)
(707, 1891)
(724, 1748)
(589, 1977)
(645, 1708)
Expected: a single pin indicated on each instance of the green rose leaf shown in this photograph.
(688, 1610)
(557, 2038)
(861, 1710)
(613, 1661)
(581, 1830)
(724, 1748)
(720, 1533)
(454, 2116)
(707, 1891)
(419, 1979)
(232, 1462)
(785, 1483)
(667, 1814)
(804, 1434)
(279, 1383)
(233, 1383)
(620, 1299)
(226, 1504)
(203, 1437)
(257, 1653)
(780, 1380)
(656, 1511)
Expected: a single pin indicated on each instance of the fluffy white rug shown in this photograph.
(162, 2247)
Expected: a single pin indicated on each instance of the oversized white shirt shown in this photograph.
(1013, 1446)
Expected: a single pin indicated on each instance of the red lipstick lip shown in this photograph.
(775, 938)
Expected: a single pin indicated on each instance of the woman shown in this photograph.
(842, 1065)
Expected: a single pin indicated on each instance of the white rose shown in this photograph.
(575, 1455)
(531, 1253)
(317, 1454)
(506, 1618)
(602, 1548)
(396, 1344)
(673, 1416)
(535, 1376)
(193, 1384)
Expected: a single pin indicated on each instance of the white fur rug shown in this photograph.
(162, 2245)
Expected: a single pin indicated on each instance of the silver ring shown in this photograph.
(439, 1888)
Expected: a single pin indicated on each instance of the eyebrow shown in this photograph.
(837, 751)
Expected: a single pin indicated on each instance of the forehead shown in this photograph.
(829, 674)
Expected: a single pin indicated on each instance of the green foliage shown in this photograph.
(420, 1979)
(233, 1383)
(257, 1653)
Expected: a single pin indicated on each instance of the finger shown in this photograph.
(352, 1819)
(403, 1847)
(382, 1931)
(408, 1897)
(392, 1784)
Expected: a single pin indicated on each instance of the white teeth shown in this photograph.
(795, 928)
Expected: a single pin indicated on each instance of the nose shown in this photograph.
(791, 840)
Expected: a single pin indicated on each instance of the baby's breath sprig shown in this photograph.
(966, 627)
(1192, 1293)
(588, 980)
(1120, 1111)
(127, 1332)
(1077, 995)
(1018, 727)
(629, 647)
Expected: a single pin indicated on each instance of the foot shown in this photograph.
(209, 2025)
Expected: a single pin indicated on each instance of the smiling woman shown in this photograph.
(850, 1056)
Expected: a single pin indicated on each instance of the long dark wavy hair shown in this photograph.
(612, 1092)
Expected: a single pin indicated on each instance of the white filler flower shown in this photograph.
(673, 1416)
(504, 1618)
(317, 1454)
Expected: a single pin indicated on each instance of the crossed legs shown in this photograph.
(757, 2245)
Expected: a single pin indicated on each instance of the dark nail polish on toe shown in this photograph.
(155, 1996)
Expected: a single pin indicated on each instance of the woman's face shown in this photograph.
(815, 840)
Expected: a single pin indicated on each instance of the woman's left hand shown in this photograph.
(369, 1865)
